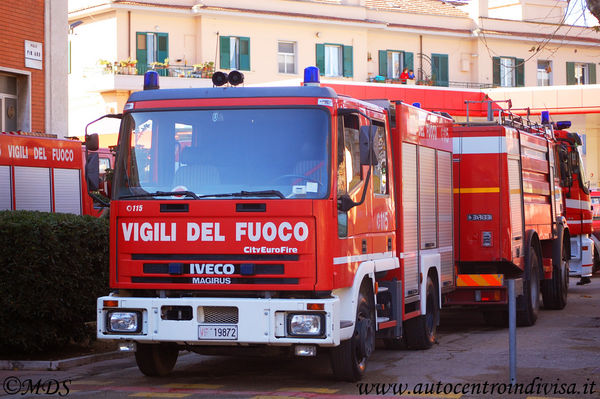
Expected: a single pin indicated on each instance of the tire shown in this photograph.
(554, 292)
(528, 304)
(349, 359)
(421, 331)
(156, 360)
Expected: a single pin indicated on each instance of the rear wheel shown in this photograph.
(156, 360)
(349, 359)
(554, 292)
(528, 304)
(421, 331)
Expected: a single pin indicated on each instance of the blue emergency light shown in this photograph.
(562, 125)
(311, 76)
(417, 105)
(545, 117)
(151, 80)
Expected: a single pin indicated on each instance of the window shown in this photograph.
(392, 62)
(235, 52)
(380, 181)
(334, 60)
(212, 152)
(508, 71)
(439, 69)
(579, 73)
(151, 47)
(8, 103)
(286, 57)
(544, 73)
(349, 175)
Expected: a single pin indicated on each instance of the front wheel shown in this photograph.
(349, 359)
(156, 360)
(421, 331)
(554, 292)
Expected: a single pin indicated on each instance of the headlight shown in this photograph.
(124, 321)
(306, 324)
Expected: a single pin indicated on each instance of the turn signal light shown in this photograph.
(111, 303)
(315, 306)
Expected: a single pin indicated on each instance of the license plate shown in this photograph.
(217, 332)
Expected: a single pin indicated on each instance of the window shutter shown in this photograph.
(520, 72)
(571, 73)
(383, 63)
(439, 68)
(245, 53)
(162, 52)
(320, 58)
(592, 73)
(224, 52)
(348, 72)
(141, 53)
(496, 70)
(409, 60)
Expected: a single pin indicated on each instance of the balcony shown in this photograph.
(111, 77)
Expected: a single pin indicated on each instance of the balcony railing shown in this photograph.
(180, 71)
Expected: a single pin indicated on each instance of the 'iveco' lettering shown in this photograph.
(211, 268)
(256, 231)
(149, 232)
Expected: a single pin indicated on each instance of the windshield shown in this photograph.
(278, 153)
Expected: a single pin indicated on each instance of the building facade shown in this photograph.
(33, 66)
(499, 46)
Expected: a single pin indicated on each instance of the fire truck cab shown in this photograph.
(292, 218)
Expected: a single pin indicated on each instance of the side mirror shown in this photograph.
(345, 203)
(92, 142)
(92, 171)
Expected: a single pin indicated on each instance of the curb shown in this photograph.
(64, 364)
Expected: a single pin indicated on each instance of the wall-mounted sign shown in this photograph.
(33, 54)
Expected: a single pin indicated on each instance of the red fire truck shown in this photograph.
(291, 218)
(40, 172)
(509, 215)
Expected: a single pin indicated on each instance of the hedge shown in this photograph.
(53, 266)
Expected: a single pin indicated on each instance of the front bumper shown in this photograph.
(258, 320)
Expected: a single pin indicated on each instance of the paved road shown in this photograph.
(561, 353)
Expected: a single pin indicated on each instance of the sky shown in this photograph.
(578, 14)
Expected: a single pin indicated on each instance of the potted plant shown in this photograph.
(107, 66)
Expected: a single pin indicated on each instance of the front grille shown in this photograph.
(218, 314)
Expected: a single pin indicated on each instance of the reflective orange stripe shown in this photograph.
(479, 280)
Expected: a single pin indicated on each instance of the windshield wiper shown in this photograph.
(163, 194)
(265, 193)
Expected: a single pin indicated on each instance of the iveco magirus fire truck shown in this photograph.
(509, 215)
(286, 217)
